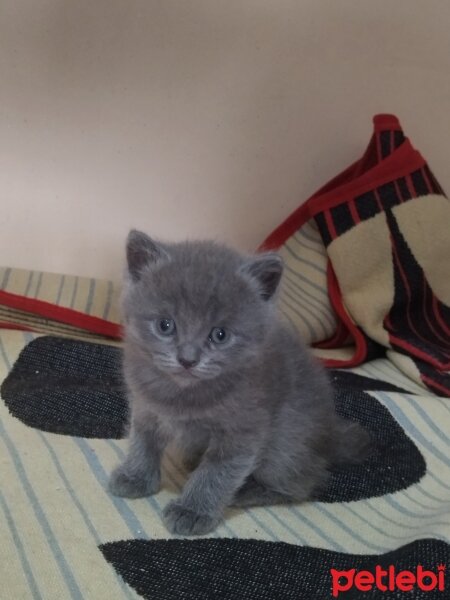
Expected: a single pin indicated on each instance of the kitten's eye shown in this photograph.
(218, 335)
(166, 326)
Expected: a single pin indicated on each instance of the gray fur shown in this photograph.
(254, 415)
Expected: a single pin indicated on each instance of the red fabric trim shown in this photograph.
(379, 152)
(391, 141)
(410, 185)
(434, 384)
(360, 342)
(384, 122)
(441, 321)
(330, 224)
(397, 191)
(414, 351)
(427, 181)
(354, 212)
(399, 164)
(443, 340)
(14, 326)
(331, 363)
(339, 337)
(378, 199)
(61, 314)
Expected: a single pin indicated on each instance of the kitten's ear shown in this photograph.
(142, 251)
(266, 269)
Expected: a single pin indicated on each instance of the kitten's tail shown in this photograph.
(353, 443)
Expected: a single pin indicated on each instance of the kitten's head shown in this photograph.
(198, 309)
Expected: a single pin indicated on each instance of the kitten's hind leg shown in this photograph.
(254, 493)
(353, 443)
(192, 460)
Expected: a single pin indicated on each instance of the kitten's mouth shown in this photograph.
(184, 378)
(184, 374)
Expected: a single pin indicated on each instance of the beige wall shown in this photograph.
(198, 118)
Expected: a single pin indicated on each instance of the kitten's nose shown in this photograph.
(186, 363)
(188, 355)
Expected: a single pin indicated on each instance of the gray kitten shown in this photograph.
(210, 364)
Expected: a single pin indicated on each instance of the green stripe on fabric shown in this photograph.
(130, 519)
(305, 261)
(5, 279)
(27, 570)
(351, 532)
(28, 286)
(90, 297)
(74, 293)
(410, 428)
(84, 514)
(60, 289)
(66, 572)
(333, 543)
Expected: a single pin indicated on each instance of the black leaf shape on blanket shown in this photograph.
(230, 569)
(346, 379)
(69, 387)
(75, 388)
(394, 463)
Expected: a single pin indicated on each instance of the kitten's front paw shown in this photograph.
(122, 483)
(184, 521)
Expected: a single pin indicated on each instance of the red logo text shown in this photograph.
(388, 580)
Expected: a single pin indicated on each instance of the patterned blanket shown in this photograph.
(63, 412)
(380, 230)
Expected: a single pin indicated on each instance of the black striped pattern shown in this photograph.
(418, 320)
(367, 205)
(390, 141)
